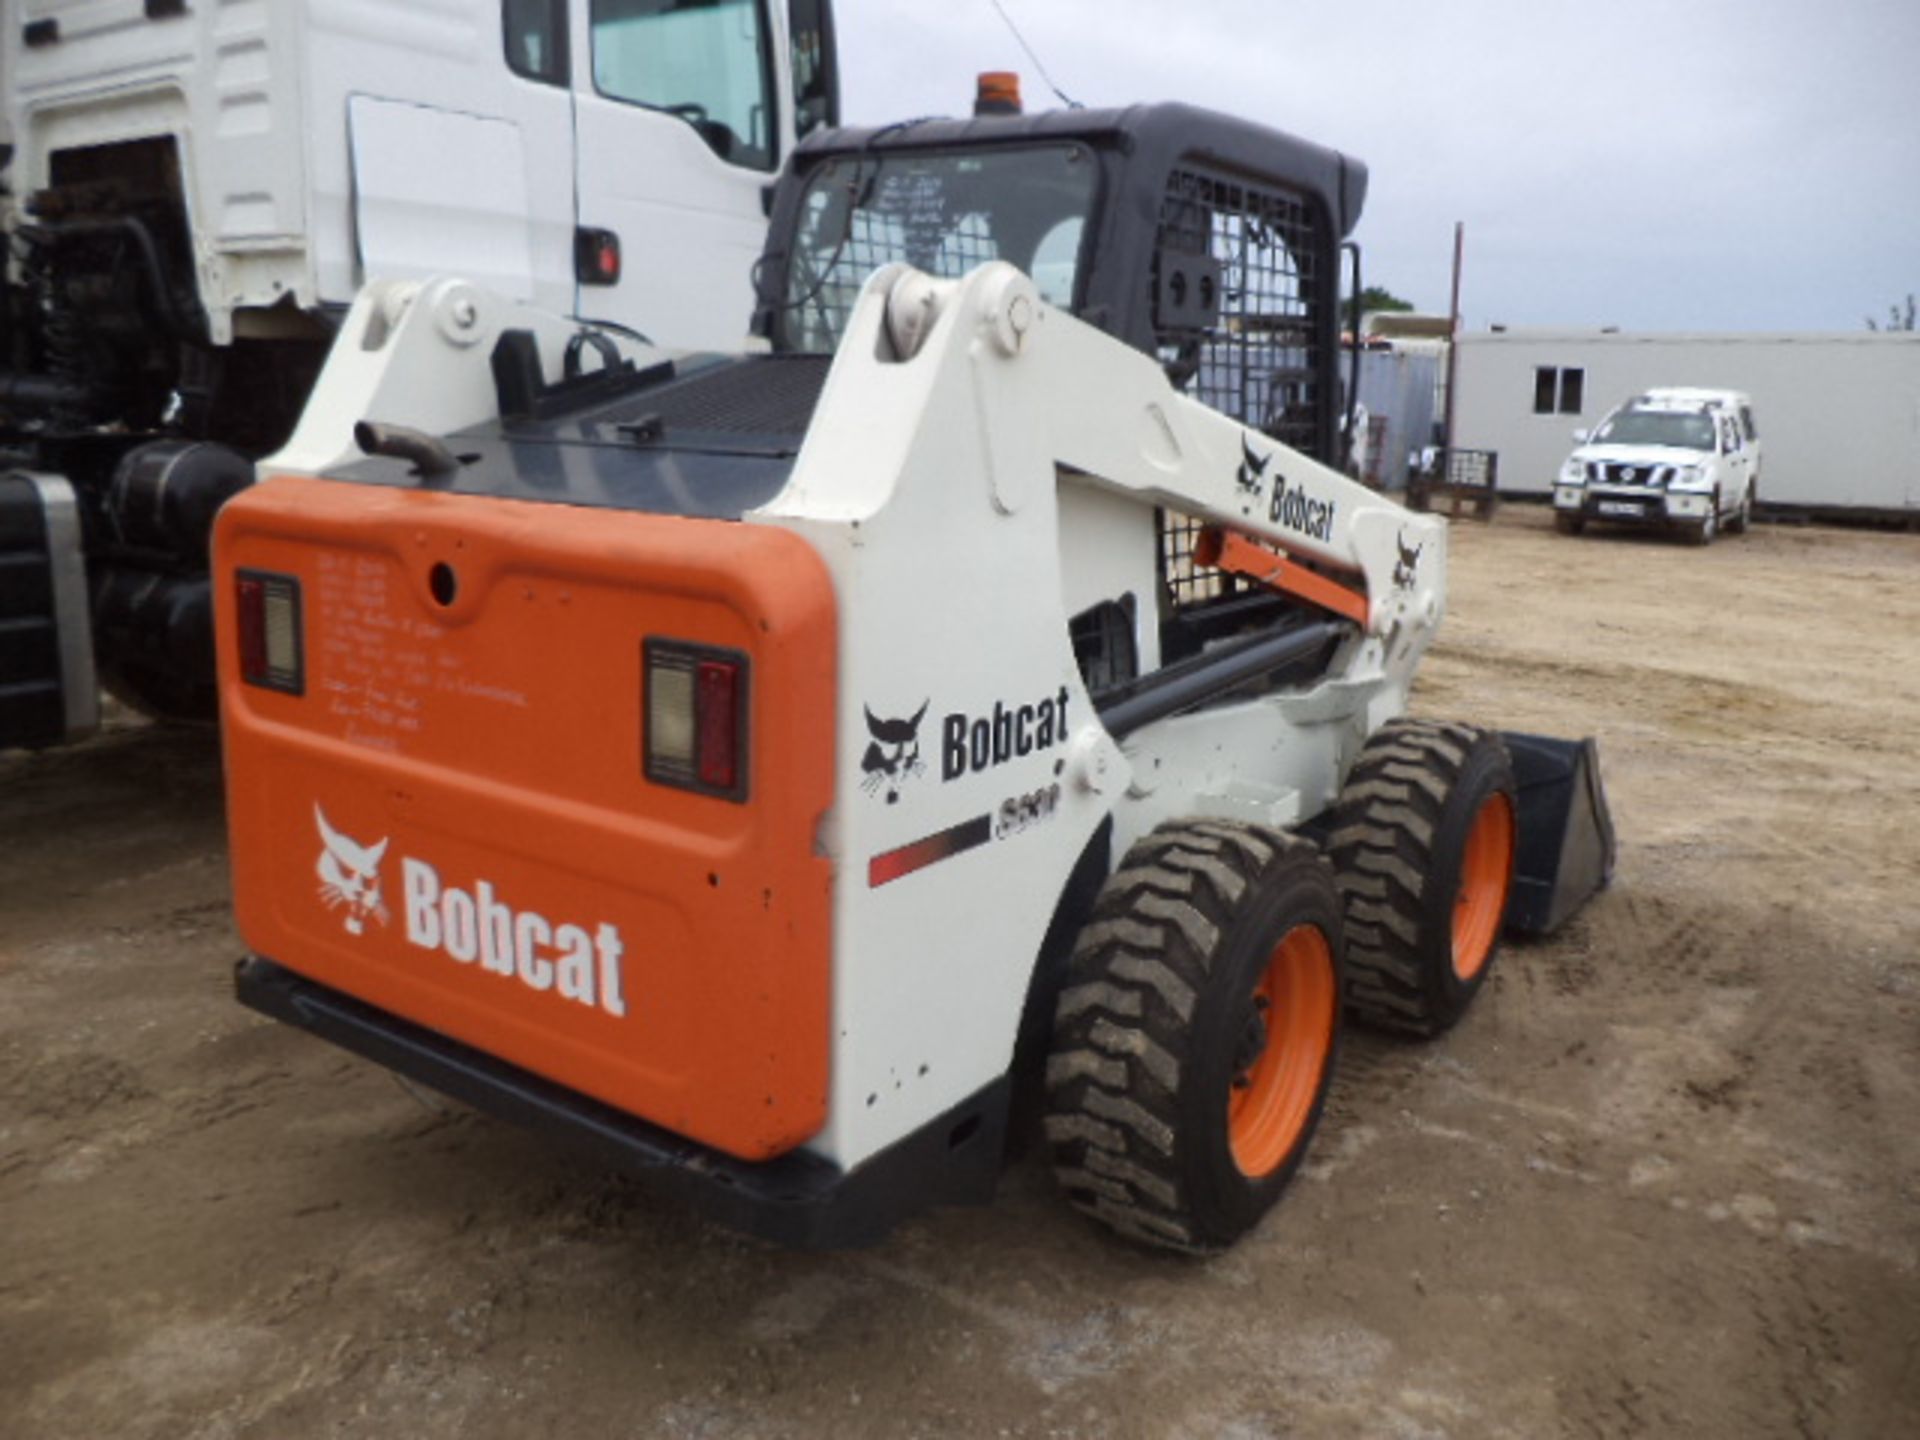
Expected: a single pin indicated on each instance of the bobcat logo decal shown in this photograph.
(349, 876)
(1253, 469)
(894, 752)
(1409, 562)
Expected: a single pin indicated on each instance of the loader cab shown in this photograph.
(1209, 242)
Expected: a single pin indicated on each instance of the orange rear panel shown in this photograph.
(452, 822)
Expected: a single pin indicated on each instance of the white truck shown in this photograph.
(194, 192)
(1679, 457)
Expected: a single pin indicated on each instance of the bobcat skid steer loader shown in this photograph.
(983, 699)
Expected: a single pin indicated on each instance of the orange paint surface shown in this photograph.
(473, 740)
(1235, 552)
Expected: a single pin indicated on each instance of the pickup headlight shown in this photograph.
(1573, 473)
(1687, 475)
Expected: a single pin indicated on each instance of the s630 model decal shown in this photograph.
(1015, 815)
(1023, 812)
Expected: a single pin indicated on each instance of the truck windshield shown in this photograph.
(1686, 431)
(942, 213)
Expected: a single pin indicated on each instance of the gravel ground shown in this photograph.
(1664, 1179)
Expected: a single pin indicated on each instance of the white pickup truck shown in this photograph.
(1682, 458)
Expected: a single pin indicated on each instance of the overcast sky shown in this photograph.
(1694, 164)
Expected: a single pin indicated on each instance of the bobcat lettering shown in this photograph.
(1297, 510)
(969, 743)
(521, 944)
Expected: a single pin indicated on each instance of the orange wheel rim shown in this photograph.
(1282, 1053)
(1486, 875)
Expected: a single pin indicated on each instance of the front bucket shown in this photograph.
(1566, 833)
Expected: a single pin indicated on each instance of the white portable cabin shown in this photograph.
(1838, 414)
(319, 144)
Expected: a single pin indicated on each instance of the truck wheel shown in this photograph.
(1702, 531)
(1195, 1035)
(1423, 843)
(160, 696)
(1738, 522)
(1568, 522)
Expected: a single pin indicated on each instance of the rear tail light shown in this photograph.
(271, 652)
(696, 718)
(596, 256)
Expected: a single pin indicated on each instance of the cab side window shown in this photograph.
(536, 39)
(707, 61)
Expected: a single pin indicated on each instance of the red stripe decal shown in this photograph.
(883, 869)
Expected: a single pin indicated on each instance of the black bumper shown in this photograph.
(797, 1199)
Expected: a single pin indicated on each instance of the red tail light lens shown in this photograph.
(272, 653)
(717, 717)
(696, 718)
(596, 256)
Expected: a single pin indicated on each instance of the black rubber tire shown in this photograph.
(1742, 518)
(1158, 992)
(1568, 523)
(161, 696)
(1701, 532)
(1398, 840)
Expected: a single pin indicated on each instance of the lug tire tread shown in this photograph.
(1386, 829)
(1124, 1042)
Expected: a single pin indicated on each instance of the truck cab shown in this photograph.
(196, 193)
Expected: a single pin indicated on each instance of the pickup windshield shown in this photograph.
(1682, 430)
(942, 213)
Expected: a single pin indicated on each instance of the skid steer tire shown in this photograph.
(1195, 1035)
(1423, 841)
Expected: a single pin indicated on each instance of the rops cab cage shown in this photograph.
(1233, 282)
(1206, 241)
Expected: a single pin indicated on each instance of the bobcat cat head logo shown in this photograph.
(894, 752)
(1409, 562)
(349, 876)
(1253, 468)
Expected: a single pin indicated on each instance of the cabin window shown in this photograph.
(1559, 391)
(536, 39)
(707, 61)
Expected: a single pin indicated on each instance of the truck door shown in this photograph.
(459, 163)
(683, 117)
(1734, 448)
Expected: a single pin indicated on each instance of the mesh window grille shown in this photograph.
(903, 222)
(1262, 358)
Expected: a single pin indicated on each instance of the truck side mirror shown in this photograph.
(1580, 436)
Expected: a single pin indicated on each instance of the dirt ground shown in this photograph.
(1665, 1178)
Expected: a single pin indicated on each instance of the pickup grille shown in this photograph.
(1648, 476)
